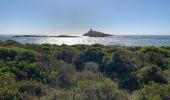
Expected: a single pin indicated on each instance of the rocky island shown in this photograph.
(92, 33)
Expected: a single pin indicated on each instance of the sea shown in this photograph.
(119, 40)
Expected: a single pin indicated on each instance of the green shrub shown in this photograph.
(31, 88)
(120, 64)
(91, 66)
(7, 84)
(104, 90)
(89, 55)
(153, 91)
(11, 53)
(151, 73)
(155, 58)
(156, 50)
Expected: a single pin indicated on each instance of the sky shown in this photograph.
(75, 17)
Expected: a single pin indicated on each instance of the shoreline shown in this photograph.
(50, 44)
(127, 41)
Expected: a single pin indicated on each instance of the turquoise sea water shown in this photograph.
(123, 40)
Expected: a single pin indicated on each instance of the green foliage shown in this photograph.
(81, 72)
(66, 54)
(9, 43)
(19, 54)
(156, 50)
(153, 91)
(91, 66)
(7, 81)
(150, 73)
(93, 90)
(155, 58)
(89, 90)
(89, 55)
(30, 88)
(121, 68)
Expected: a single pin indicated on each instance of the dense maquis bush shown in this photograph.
(81, 72)
(90, 54)
(153, 91)
(151, 73)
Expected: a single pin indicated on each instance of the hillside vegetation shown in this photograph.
(81, 72)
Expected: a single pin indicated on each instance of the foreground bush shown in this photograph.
(81, 72)
(153, 91)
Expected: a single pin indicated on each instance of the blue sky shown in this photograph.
(75, 17)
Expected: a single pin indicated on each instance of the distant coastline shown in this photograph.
(90, 33)
(43, 36)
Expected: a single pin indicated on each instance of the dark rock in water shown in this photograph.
(30, 36)
(92, 33)
(67, 36)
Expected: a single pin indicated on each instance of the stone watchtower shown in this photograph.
(91, 30)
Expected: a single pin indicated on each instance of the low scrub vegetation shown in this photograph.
(81, 72)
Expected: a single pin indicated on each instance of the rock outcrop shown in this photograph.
(92, 33)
